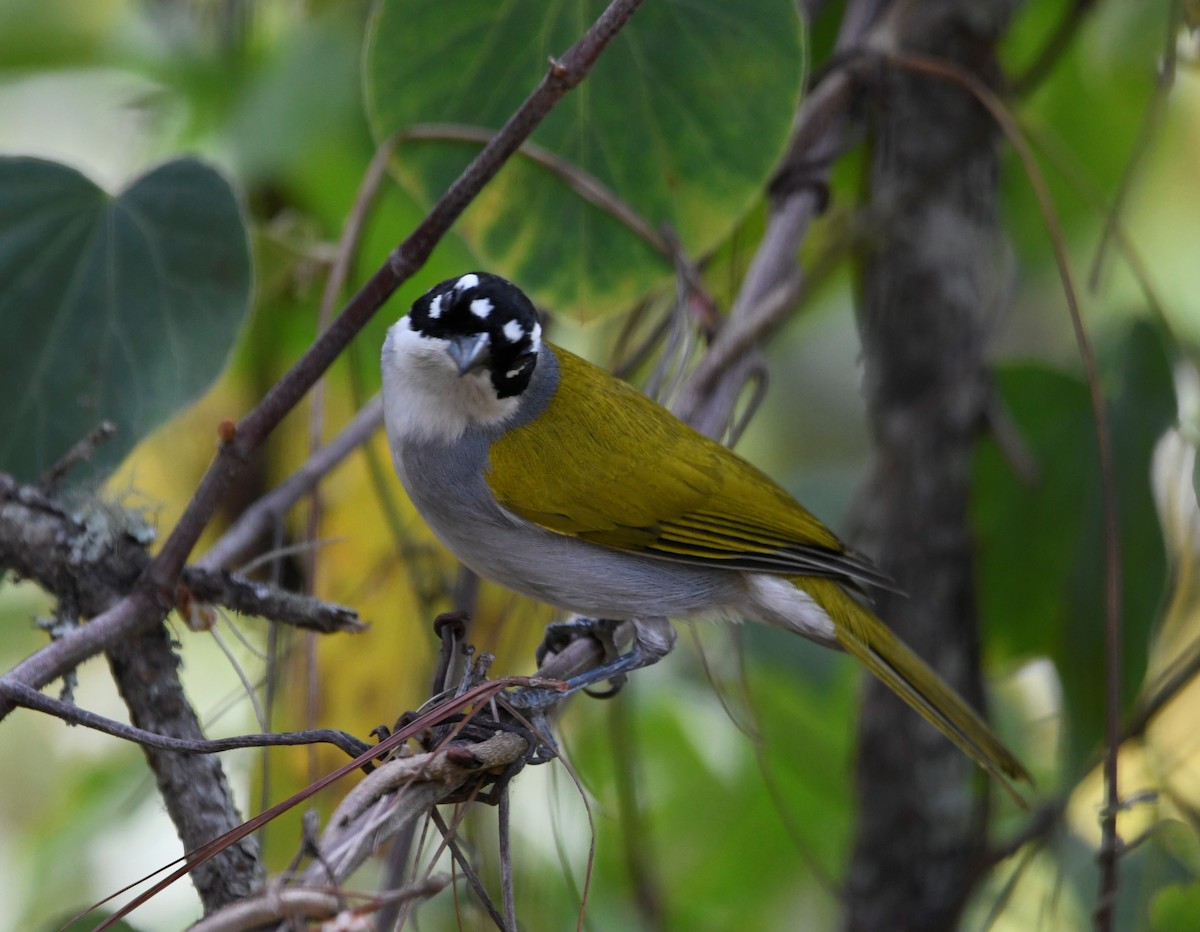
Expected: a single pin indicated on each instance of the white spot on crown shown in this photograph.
(513, 331)
(536, 337)
(481, 308)
(435, 307)
(470, 280)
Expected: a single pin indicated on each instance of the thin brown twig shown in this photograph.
(583, 183)
(238, 542)
(74, 715)
(153, 596)
(591, 859)
(751, 729)
(1152, 122)
(640, 861)
(628, 359)
(464, 864)
(1109, 847)
(1070, 168)
(1004, 897)
(402, 919)
(79, 452)
(1053, 49)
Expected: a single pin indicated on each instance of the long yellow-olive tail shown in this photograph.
(871, 641)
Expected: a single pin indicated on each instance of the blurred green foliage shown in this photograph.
(1041, 538)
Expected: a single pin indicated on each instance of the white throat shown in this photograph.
(424, 397)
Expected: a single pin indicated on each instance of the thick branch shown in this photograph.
(90, 563)
(931, 285)
(193, 786)
(90, 557)
(239, 541)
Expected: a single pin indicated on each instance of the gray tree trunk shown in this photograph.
(932, 284)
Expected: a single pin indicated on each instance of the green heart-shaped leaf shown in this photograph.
(682, 118)
(120, 308)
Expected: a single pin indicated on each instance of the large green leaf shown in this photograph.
(683, 117)
(1042, 583)
(121, 308)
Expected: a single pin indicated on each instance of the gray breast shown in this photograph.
(446, 482)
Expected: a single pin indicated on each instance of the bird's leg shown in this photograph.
(602, 630)
(653, 640)
(561, 633)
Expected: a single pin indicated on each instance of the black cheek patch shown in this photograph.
(512, 377)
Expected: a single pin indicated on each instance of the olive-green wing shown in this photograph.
(606, 464)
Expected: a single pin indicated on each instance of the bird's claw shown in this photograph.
(562, 633)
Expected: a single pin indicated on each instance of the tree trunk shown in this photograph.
(932, 284)
(193, 786)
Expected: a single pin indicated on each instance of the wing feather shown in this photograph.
(608, 465)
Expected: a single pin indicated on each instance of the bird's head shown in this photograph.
(483, 324)
(469, 347)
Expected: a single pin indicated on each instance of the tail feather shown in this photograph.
(874, 644)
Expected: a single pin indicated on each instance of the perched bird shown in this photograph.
(559, 481)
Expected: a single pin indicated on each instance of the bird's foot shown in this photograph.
(602, 630)
(562, 633)
(653, 639)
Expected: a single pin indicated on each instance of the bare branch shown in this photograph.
(238, 542)
(308, 903)
(89, 559)
(1052, 50)
(194, 789)
(261, 600)
(73, 714)
(774, 282)
(80, 452)
(401, 791)
(201, 855)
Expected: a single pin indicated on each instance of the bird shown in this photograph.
(559, 481)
